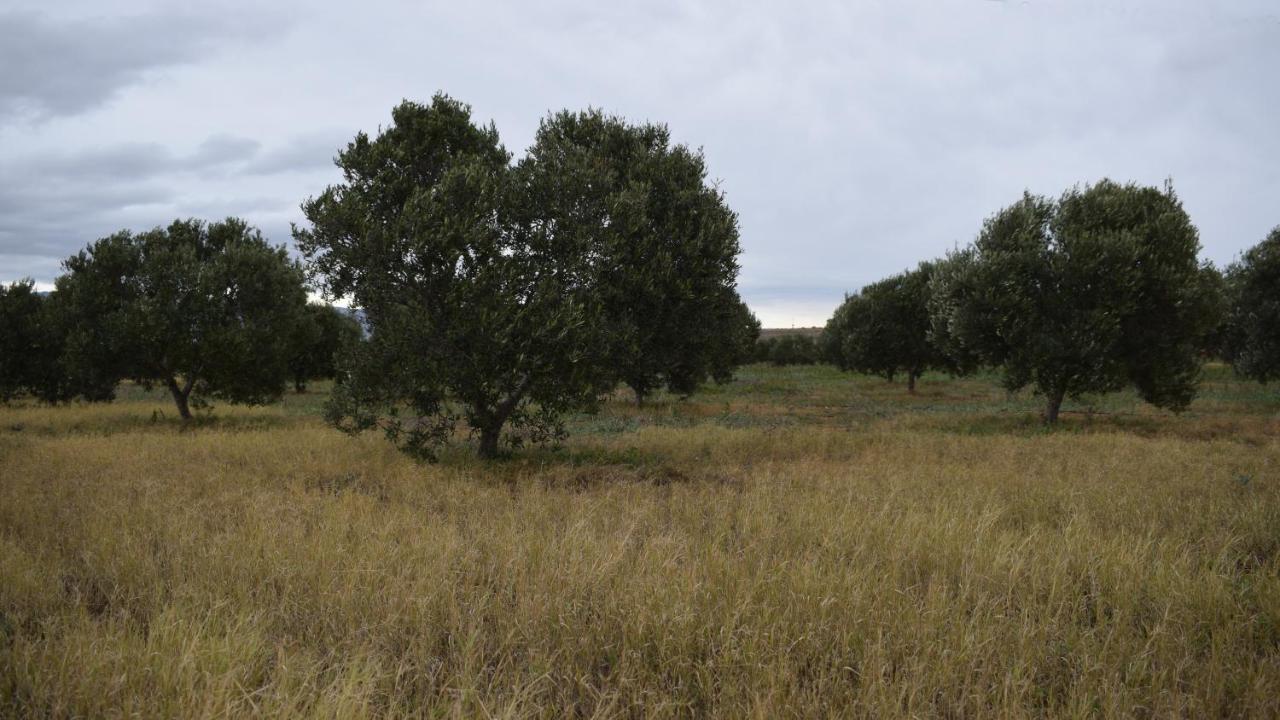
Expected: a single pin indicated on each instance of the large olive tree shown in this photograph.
(1098, 290)
(505, 295)
(478, 309)
(205, 310)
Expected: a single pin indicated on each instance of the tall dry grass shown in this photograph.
(263, 565)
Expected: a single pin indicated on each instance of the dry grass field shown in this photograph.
(795, 544)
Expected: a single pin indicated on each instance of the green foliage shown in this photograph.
(884, 329)
(30, 343)
(478, 311)
(206, 310)
(1094, 292)
(665, 245)
(1214, 345)
(321, 332)
(788, 349)
(507, 295)
(742, 330)
(1252, 336)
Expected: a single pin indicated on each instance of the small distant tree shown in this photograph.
(1252, 334)
(760, 351)
(884, 330)
(30, 344)
(205, 310)
(321, 332)
(790, 349)
(665, 244)
(1096, 291)
(479, 309)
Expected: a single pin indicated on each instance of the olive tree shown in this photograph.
(479, 309)
(663, 238)
(1098, 290)
(884, 330)
(206, 310)
(1252, 334)
(788, 349)
(321, 333)
(30, 343)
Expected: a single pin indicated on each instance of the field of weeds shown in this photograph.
(798, 543)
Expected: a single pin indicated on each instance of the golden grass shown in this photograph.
(264, 565)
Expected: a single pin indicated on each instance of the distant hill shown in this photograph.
(779, 332)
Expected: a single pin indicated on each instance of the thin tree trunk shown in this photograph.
(181, 396)
(639, 389)
(911, 383)
(489, 436)
(1053, 403)
(492, 422)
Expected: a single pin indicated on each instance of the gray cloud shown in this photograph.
(302, 154)
(51, 204)
(221, 150)
(62, 67)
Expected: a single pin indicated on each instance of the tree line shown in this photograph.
(207, 311)
(1091, 292)
(496, 295)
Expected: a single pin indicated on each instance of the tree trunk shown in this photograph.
(181, 395)
(911, 383)
(640, 389)
(489, 436)
(490, 423)
(299, 385)
(1053, 403)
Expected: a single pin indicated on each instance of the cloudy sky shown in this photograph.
(853, 138)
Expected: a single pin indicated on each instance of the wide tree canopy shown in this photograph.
(663, 238)
(204, 309)
(477, 310)
(505, 295)
(884, 330)
(1252, 335)
(1087, 294)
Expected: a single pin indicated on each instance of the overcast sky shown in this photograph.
(854, 139)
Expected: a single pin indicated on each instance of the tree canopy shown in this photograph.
(787, 349)
(1252, 334)
(30, 345)
(504, 295)
(663, 238)
(477, 310)
(884, 330)
(204, 309)
(1086, 294)
(321, 333)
